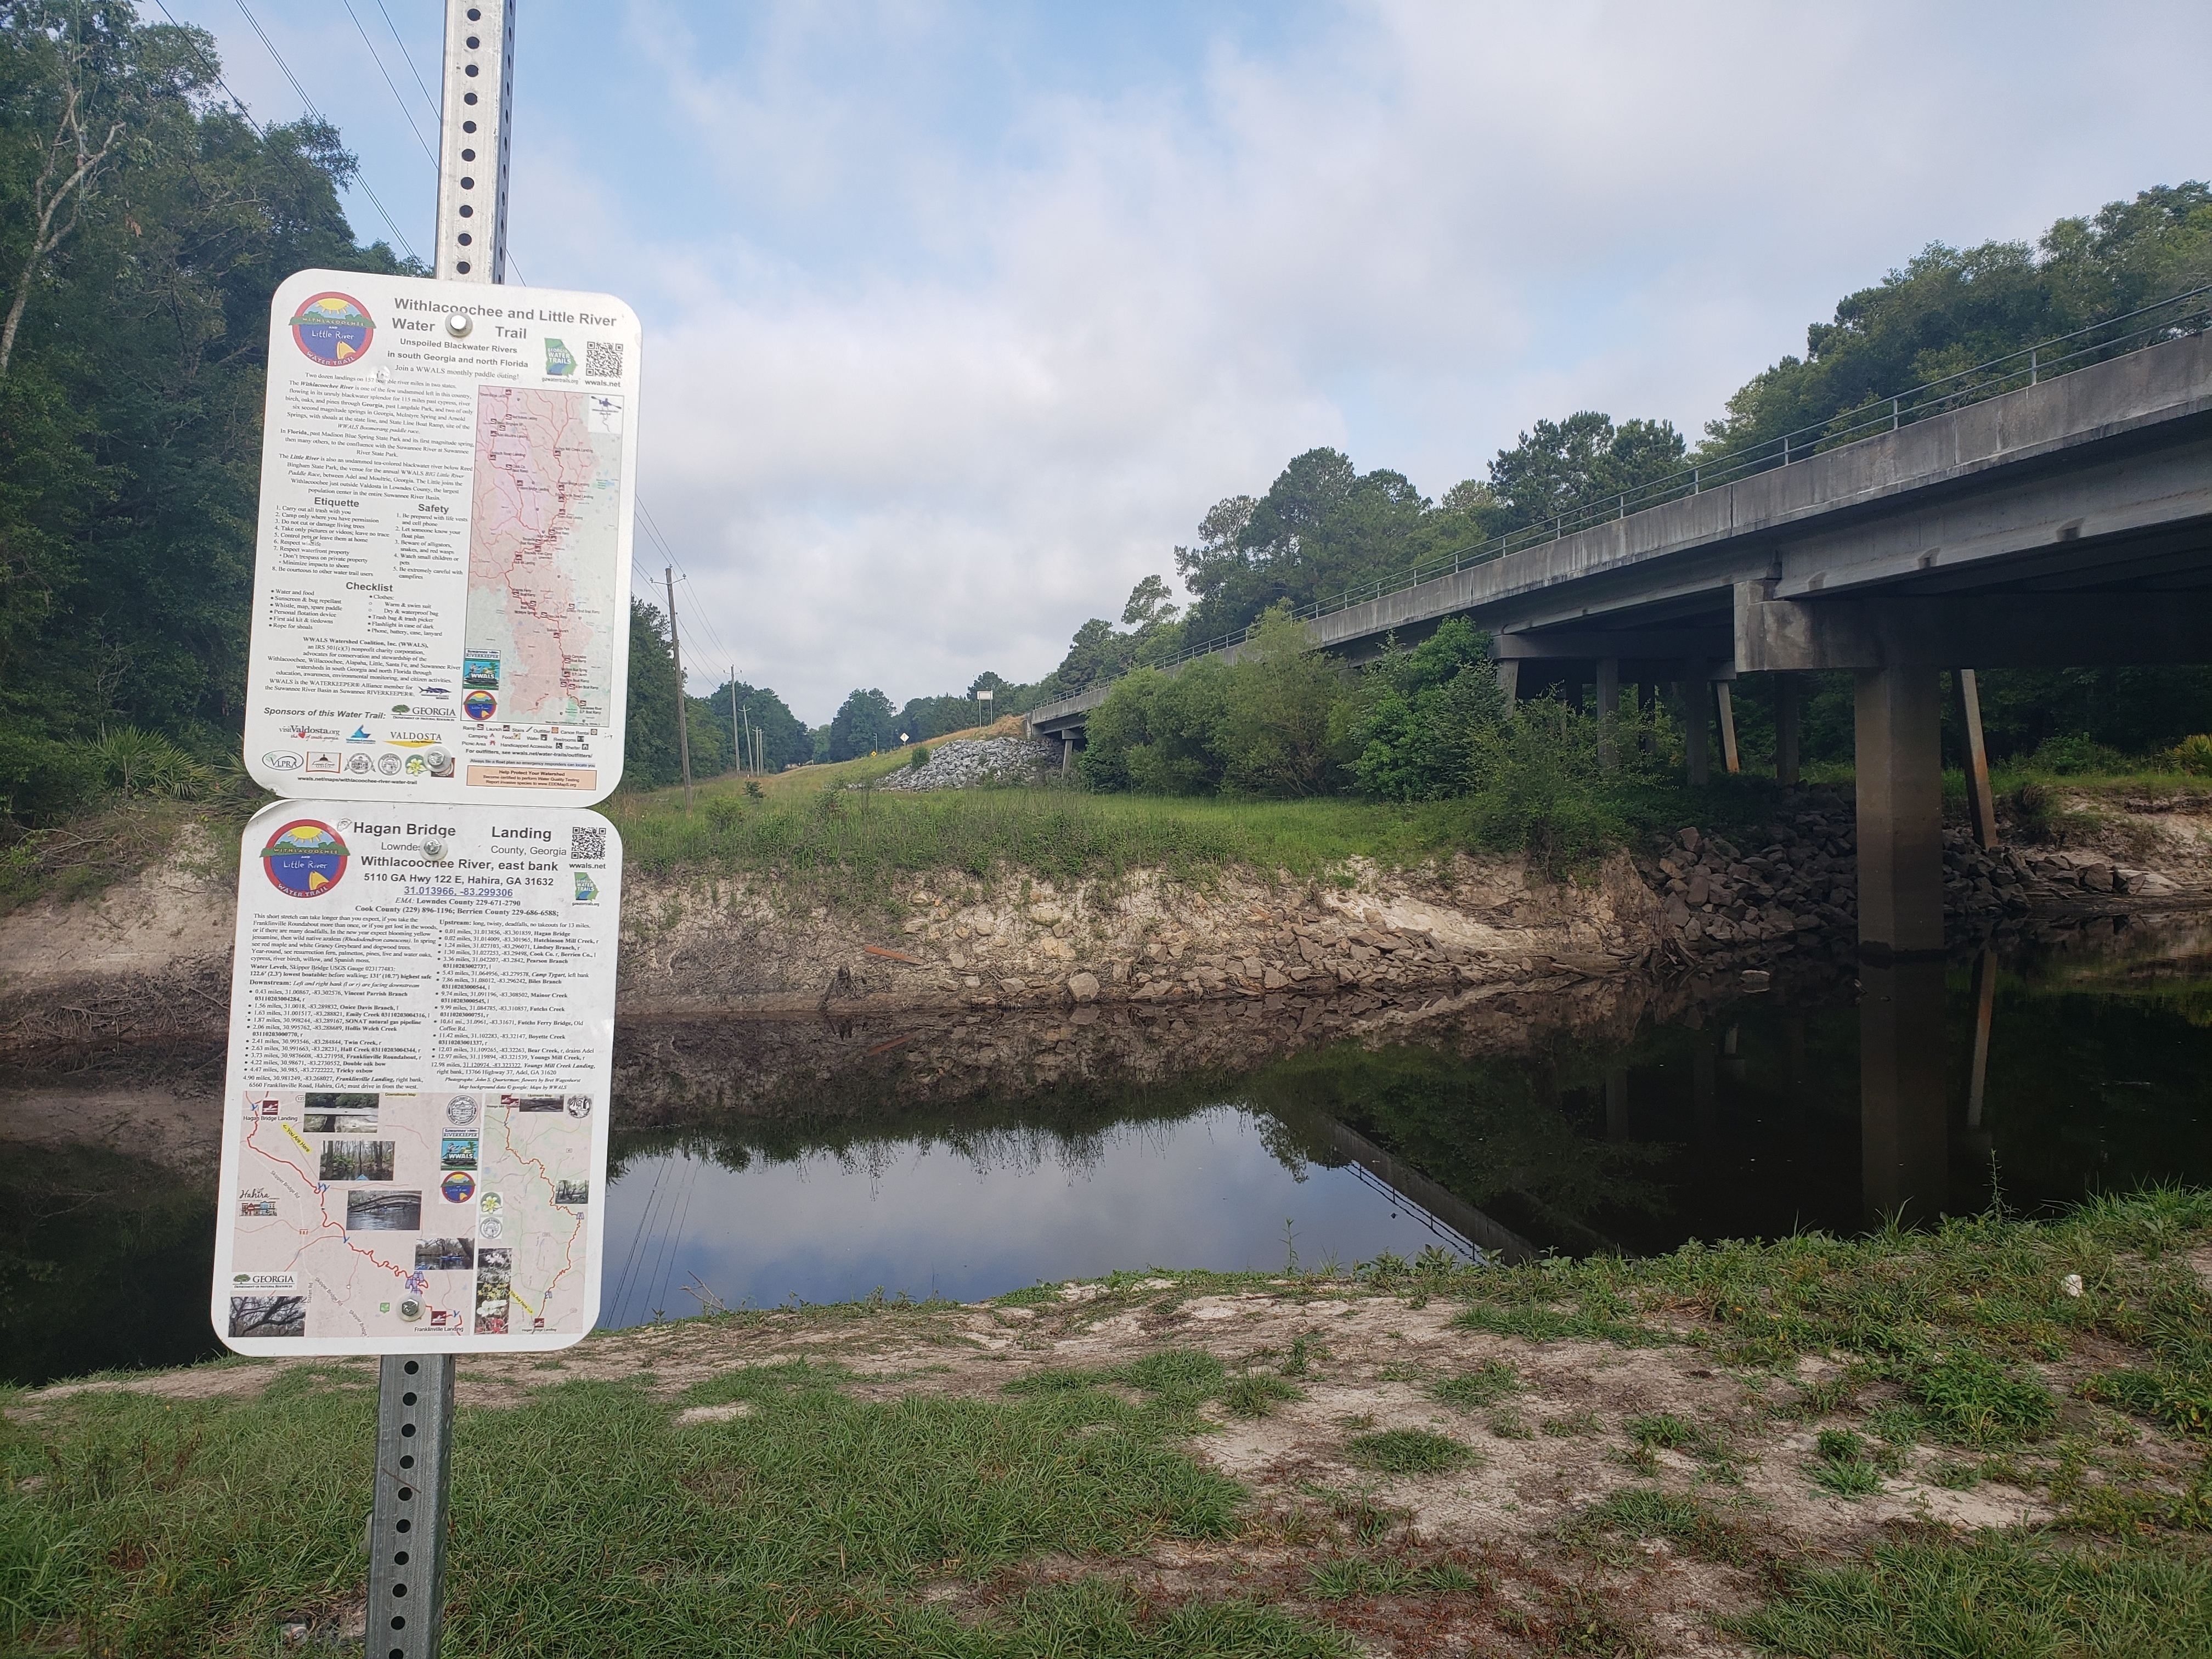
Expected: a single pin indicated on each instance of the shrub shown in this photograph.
(2194, 754)
(2075, 753)
(920, 757)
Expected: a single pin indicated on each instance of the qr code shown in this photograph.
(603, 358)
(586, 845)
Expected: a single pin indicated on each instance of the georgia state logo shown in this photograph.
(304, 859)
(332, 329)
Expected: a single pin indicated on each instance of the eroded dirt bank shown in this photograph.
(750, 993)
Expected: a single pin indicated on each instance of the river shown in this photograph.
(2079, 1063)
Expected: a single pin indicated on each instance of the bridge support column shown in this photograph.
(1785, 728)
(1981, 806)
(1696, 702)
(1509, 678)
(1608, 712)
(1067, 753)
(1898, 760)
(1904, 1153)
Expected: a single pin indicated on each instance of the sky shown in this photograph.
(959, 316)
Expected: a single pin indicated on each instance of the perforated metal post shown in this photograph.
(473, 145)
(407, 1527)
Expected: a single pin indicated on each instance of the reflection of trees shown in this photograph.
(1488, 1129)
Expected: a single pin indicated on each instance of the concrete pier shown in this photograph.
(1898, 759)
(1904, 1140)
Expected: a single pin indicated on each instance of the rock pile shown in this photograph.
(1802, 879)
(966, 762)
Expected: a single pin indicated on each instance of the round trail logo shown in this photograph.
(304, 859)
(480, 705)
(332, 329)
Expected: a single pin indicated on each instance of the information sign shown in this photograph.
(421, 1041)
(440, 594)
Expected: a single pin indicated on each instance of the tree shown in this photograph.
(131, 407)
(1560, 467)
(864, 724)
(651, 758)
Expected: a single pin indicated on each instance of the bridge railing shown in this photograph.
(2169, 318)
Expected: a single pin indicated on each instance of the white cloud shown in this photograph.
(958, 322)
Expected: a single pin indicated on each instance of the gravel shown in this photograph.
(964, 763)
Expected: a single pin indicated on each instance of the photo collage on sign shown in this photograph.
(394, 1186)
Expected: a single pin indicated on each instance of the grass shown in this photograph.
(1409, 1451)
(856, 844)
(1648, 1512)
(1485, 1385)
(1994, 1598)
(589, 1522)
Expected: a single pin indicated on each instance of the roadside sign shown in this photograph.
(422, 1041)
(440, 594)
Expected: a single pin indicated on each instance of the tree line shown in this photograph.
(144, 224)
(1323, 528)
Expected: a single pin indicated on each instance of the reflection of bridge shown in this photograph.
(2067, 523)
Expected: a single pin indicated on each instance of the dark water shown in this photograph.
(2058, 1070)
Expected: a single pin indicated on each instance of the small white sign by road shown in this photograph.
(441, 593)
(422, 1044)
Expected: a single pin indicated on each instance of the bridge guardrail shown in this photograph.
(2186, 314)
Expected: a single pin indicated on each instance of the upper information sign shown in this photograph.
(441, 607)
(422, 1039)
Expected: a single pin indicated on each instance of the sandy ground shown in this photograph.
(1545, 1453)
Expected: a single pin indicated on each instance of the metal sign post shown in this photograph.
(473, 141)
(414, 1394)
(407, 1531)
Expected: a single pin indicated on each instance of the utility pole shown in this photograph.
(683, 725)
(737, 742)
(414, 1393)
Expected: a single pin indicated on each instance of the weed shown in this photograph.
(1664, 1428)
(1843, 1466)
(1648, 1512)
(1346, 1575)
(1970, 1399)
(1490, 1382)
(1259, 1396)
(1992, 1594)
(1510, 1425)
(1409, 1451)
(1573, 1425)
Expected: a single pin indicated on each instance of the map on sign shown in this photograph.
(440, 581)
(421, 1042)
(544, 605)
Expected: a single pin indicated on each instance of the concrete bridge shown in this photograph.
(2065, 524)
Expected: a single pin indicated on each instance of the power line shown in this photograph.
(436, 114)
(308, 103)
(246, 114)
(405, 114)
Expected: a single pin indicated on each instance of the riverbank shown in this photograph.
(1278, 902)
(1814, 1447)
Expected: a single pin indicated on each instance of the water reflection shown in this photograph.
(2079, 1064)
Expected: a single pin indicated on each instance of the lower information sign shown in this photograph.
(422, 1039)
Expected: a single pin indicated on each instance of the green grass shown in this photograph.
(1648, 1512)
(1332, 1581)
(1843, 1466)
(1666, 1429)
(588, 1522)
(1993, 1598)
(1409, 1451)
(1485, 1385)
(858, 844)
(1259, 1396)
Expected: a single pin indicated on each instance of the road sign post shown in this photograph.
(422, 985)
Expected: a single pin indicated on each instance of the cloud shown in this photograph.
(960, 318)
